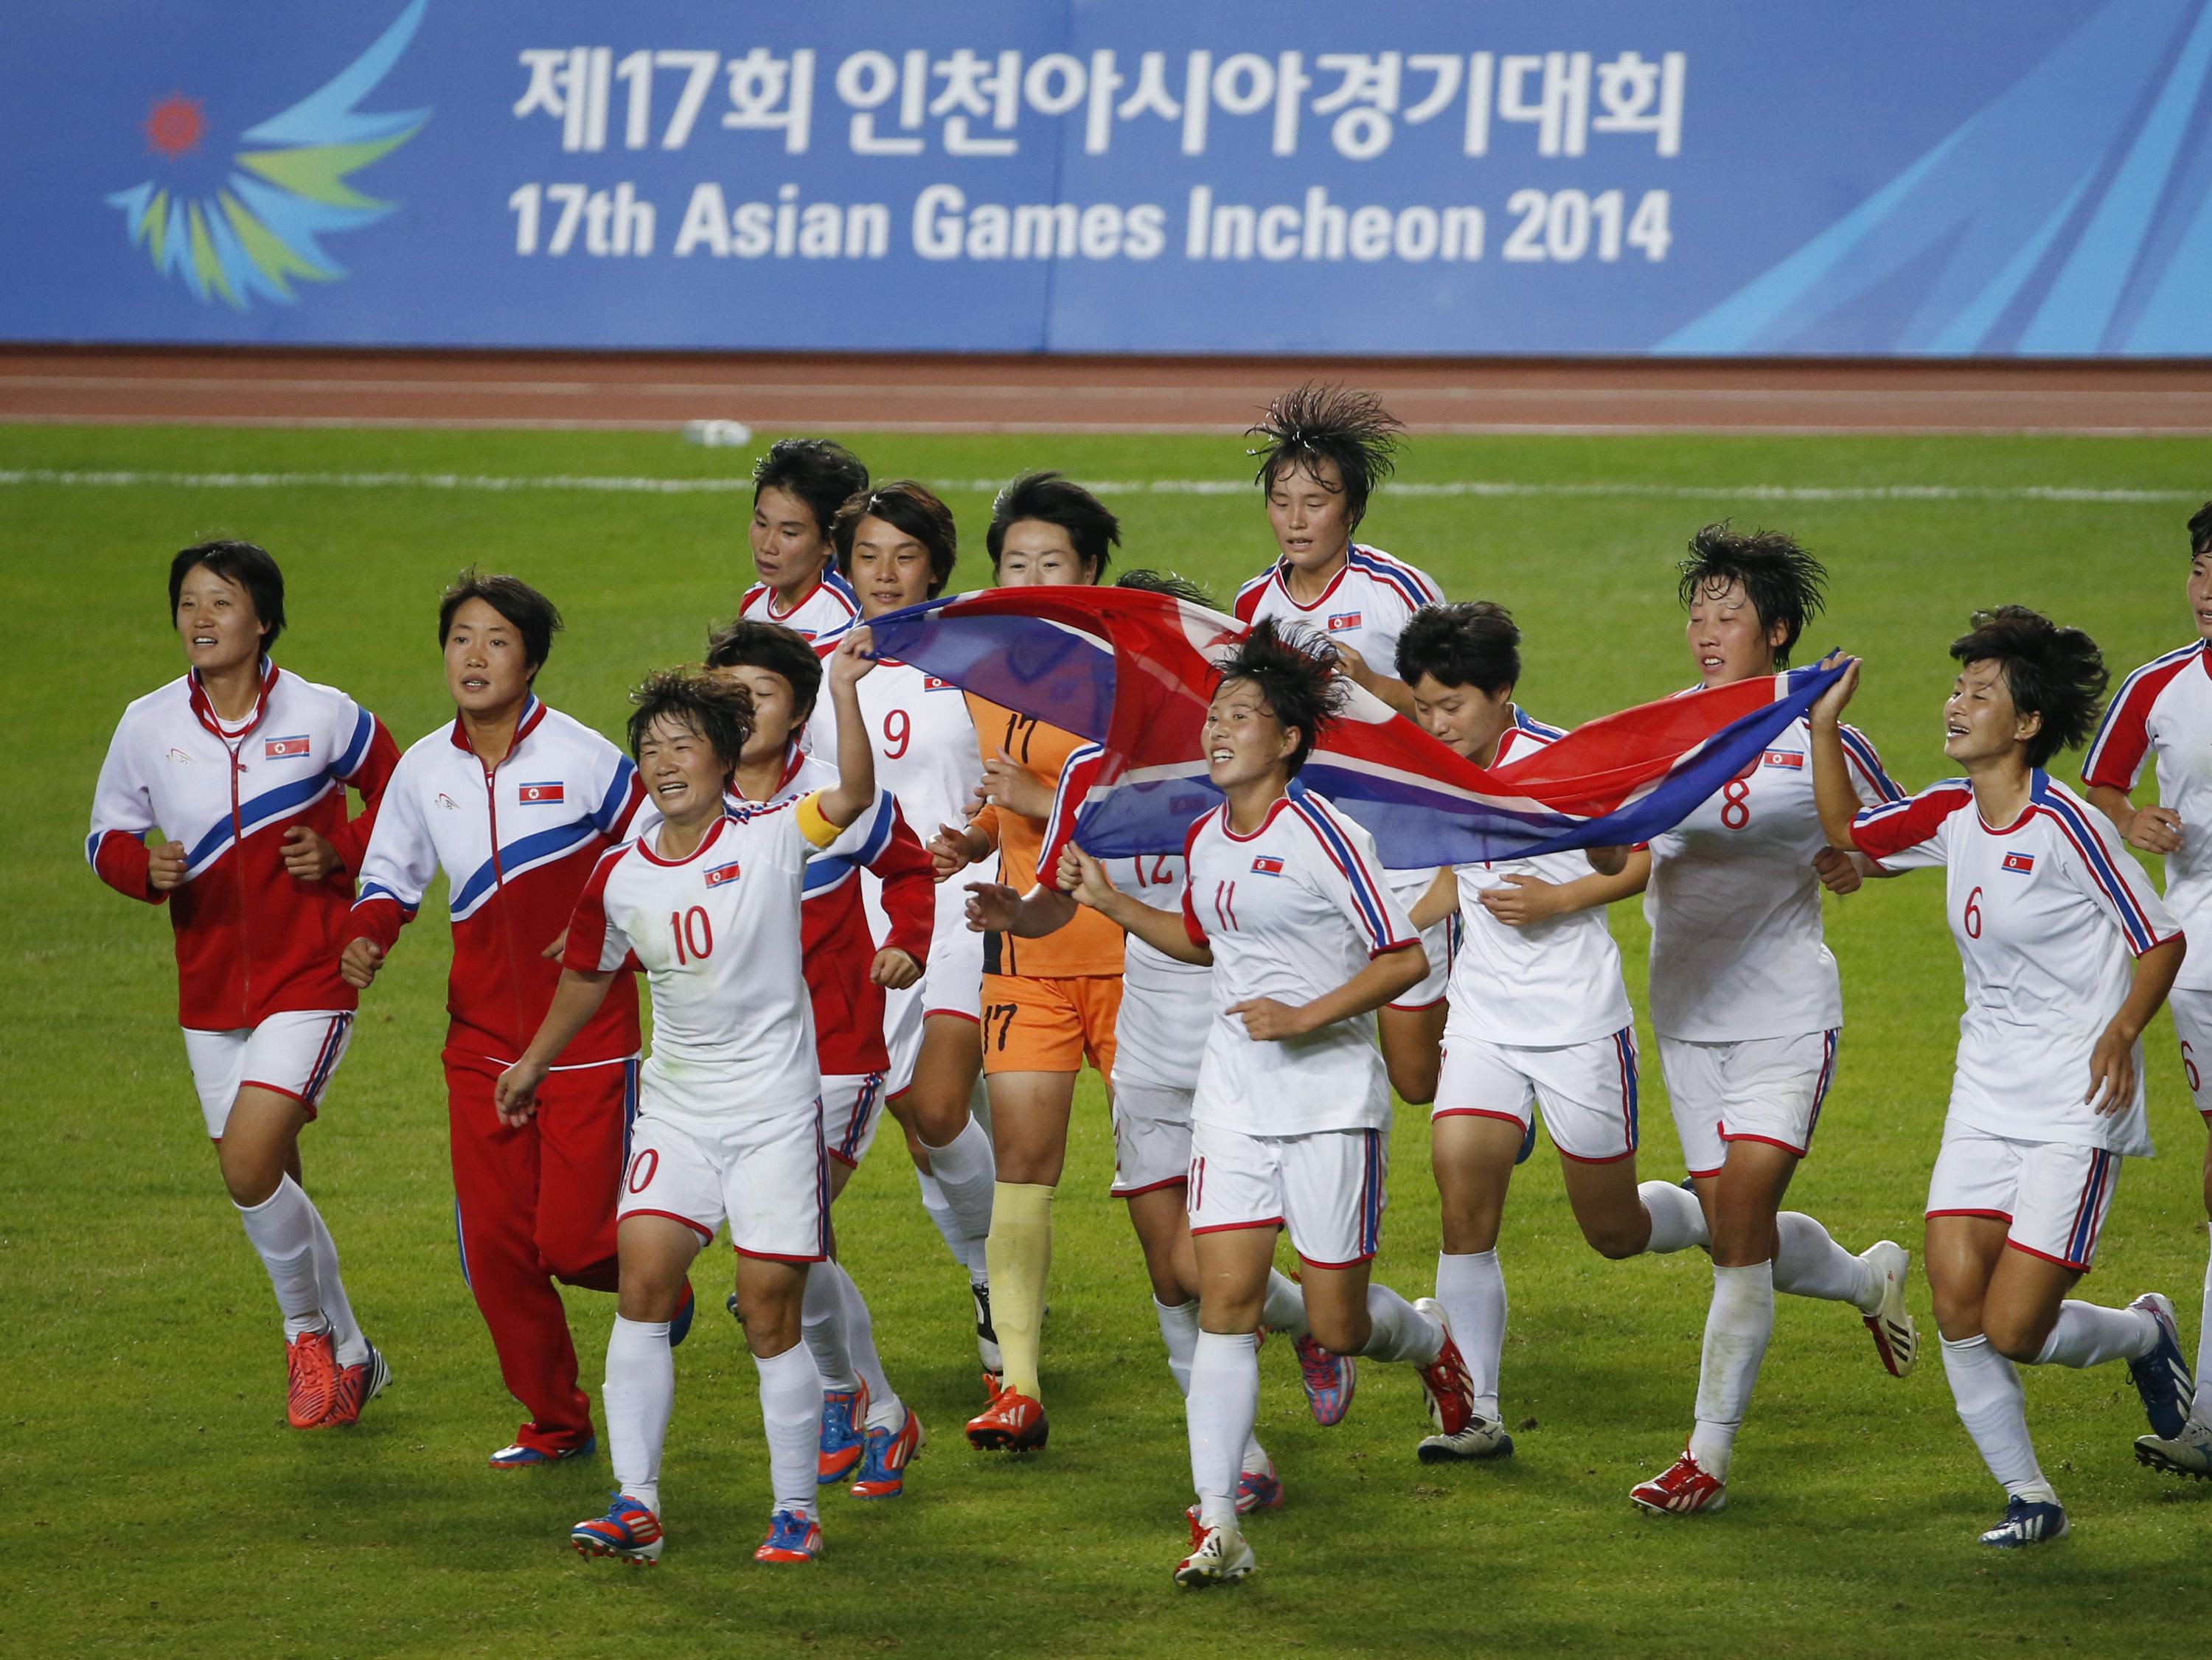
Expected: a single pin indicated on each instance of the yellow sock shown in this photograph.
(1019, 1252)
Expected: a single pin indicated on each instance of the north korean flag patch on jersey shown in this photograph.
(720, 874)
(540, 795)
(1266, 865)
(1343, 620)
(931, 683)
(1792, 758)
(285, 749)
(2022, 862)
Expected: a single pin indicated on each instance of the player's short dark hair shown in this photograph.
(1057, 500)
(1476, 643)
(2200, 530)
(240, 562)
(1296, 675)
(1316, 423)
(912, 509)
(1784, 584)
(2051, 671)
(528, 612)
(820, 472)
(719, 711)
(746, 644)
(1170, 583)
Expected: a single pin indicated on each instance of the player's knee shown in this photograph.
(1617, 1238)
(2015, 1338)
(250, 1180)
(1340, 1334)
(1415, 1076)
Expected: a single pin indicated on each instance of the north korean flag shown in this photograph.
(1343, 620)
(2022, 862)
(720, 874)
(1790, 758)
(293, 748)
(540, 795)
(1266, 865)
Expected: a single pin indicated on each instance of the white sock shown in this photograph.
(966, 1173)
(2089, 1335)
(345, 1330)
(1472, 1288)
(2201, 1407)
(283, 1230)
(636, 1401)
(885, 1409)
(821, 1323)
(1224, 1400)
(791, 1412)
(1809, 1264)
(940, 1213)
(1994, 1409)
(1179, 1331)
(1285, 1310)
(1737, 1328)
(1400, 1331)
(1678, 1221)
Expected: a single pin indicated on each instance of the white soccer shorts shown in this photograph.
(1441, 941)
(852, 1109)
(1325, 1187)
(2053, 1195)
(1152, 1136)
(1588, 1090)
(2192, 1023)
(768, 1174)
(903, 1027)
(1756, 1089)
(952, 979)
(294, 1053)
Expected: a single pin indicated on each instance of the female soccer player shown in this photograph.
(244, 766)
(1748, 1007)
(1047, 1002)
(2047, 908)
(798, 486)
(515, 801)
(1290, 1126)
(729, 1121)
(2165, 709)
(897, 547)
(1322, 451)
(867, 1433)
(1538, 1010)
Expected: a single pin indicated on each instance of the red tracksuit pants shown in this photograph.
(533, 1205)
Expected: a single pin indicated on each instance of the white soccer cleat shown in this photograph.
(2189, 1453)
(1219, 1556)
(1896, 1339)
(1483, 1437)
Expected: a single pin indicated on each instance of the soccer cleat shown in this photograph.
(1682, 1490)
(1219, 1556)
(791, 1538)
(2189, 1453)
(1444, 1380)
(2027, 1522)
(1259, 1489)
(1012, 1423)
(1483, 1437)
(843, 1442)
(1896, 1339)
(311, 1378)
(2162, 1377)
(679, 1324)
(521, 1455)
(357, 1385)
(883, 1471)
(629, 1532)
(987, 1334)
(1329, 1380)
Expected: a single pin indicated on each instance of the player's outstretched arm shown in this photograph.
(1385, 977)
(854, 792)
(575, 1000)
(2112, 1062)
(2153, 829)
(1438, 900)
(1831, 775)
(1085, 881)
(1526, 901)
(995, 908)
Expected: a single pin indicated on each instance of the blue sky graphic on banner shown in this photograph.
(1920, 176)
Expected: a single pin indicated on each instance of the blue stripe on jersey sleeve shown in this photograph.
(357, 749)
(609, 810)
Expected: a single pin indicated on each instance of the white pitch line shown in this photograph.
(1494, 488)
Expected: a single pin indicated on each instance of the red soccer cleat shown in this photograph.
(357, 1385)
(310, 1368)
(1682, 1490)
(1012, 1423)
(1444, 1380)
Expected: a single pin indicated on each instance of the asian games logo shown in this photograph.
(256, 232)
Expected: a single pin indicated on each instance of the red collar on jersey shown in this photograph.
(1274, 808)
(714, 834)
(205, 709)
(1283, 582)
(793, 760)
(533, 712)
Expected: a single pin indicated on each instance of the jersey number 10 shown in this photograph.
(693, 929)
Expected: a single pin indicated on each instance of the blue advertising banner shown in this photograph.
(1771, 176)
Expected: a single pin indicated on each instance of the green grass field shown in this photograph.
(154, 1503)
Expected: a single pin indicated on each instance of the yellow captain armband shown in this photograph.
(814, 823)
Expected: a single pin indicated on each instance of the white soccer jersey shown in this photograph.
(718, 935)
(823, 615)
(1365, 608)
(1735, 903)
(1544, 987)
(2165, 709)
(1292, 911)
(2045, 913)
(926, 751)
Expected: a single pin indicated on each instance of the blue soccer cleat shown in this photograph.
(791, 1538)
(842, 1443)
(679, 1324)
(883, 1472)
(629, 1532)
(1329, 1380)
(2026, 1522)
(521, 1455)
(2162, 1377)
